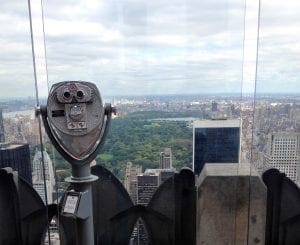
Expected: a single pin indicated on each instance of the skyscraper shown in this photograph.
(2, 136)
(16, 156)
(130, 183)
(165, 160)
(215, 141)
(38, 176)
(165, 174)
(214, 106)
(147, 184)
(130, 180)
(283, 153)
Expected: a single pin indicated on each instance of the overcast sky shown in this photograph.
(133, 47)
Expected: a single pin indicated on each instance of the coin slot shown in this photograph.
(58, 113)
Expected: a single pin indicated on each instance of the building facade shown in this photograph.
(165, 160)
(2, 135)
(38, 176)
(215, 141)
(147, 184)
(16, 156)
(283, 153)
(214, 106)
(130, 180)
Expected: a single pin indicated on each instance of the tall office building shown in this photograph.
(214, 106)
(147, 184)
(215, 141)
(38, 176)
(165, 160)
(130, 180)
(130, 183)
(165, 174)
(283, 153)
(146, 187)
(16, 156)
(2, 136)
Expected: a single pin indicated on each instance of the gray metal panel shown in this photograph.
(22, 211)
(33, 213)
(169, 217)
(109, 199)
(9, 213)
(283, 209)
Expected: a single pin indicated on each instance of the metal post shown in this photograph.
(82, 181)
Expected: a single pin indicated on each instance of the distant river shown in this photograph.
(182, 119)
(14, 113)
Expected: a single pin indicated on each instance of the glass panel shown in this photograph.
(166, 68)
(19, 129)
(44, 177)
(276, 118)
(16, 61)
(276, 125)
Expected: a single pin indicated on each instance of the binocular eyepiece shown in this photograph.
(74, 92)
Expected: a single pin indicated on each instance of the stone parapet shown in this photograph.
(231, 205)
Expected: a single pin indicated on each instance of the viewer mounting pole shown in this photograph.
(77, 124)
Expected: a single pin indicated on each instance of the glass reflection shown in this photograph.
(19, 129)
(162, 66)
(276, 121)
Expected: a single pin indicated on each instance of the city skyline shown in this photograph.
(252, 96)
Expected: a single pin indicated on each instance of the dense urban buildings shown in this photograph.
(16, 156)
(214, 106)
(256, 128)
(142, 186)
(275, 116)
(38, 176)
(273, 113)
(2, 135)
(215, 141)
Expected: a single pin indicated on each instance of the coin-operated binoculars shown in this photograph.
(74, 120)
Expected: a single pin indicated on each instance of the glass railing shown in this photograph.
(168, 69)
(190, 93)
(275, 143)
(164, 67)
(276, 124)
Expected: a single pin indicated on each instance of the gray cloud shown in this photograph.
(135, 47)
(279, 50)
(155, 47)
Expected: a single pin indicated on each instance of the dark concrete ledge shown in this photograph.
(231, 205)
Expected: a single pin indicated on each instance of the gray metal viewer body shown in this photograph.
(74, 120)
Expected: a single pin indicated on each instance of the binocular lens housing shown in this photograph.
(80, 94)
(67, 94)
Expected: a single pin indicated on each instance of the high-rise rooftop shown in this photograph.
(215, 141)
(16, 156)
